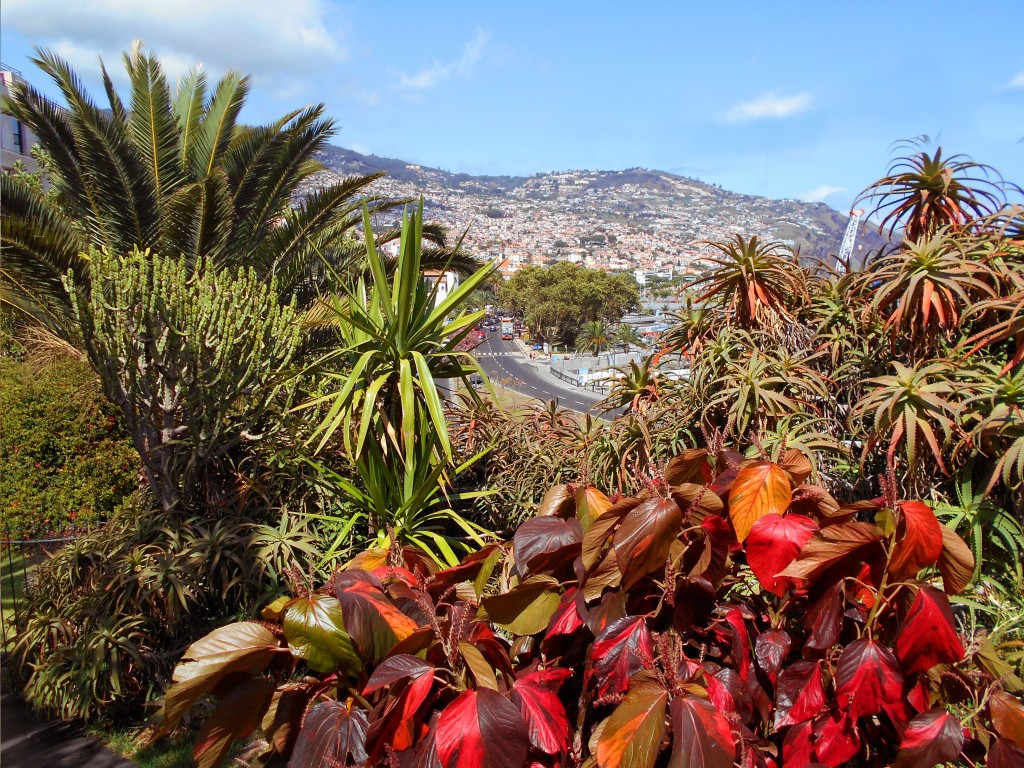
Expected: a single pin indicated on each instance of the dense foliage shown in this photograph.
(734, 613)
(556, 301)
(64, 455)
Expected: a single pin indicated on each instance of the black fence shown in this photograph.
(21, 554)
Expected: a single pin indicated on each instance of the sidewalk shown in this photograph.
(542, 365)
(26, 742)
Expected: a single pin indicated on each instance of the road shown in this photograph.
(501, 363)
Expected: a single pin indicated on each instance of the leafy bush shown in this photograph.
(111, 611)
(64, 454)
(733, 614)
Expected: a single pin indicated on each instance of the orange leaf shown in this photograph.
(760, 489)
(919, 542)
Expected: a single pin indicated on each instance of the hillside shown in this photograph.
(636, 218)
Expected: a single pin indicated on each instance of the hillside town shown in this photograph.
(651, 223)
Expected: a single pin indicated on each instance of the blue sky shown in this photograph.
(785, 99)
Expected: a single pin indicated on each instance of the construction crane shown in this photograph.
(846, 249)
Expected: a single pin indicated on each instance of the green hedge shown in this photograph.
(64, 458)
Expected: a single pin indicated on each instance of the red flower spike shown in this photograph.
(773, 543)
(933, 737)
(928, 636)
(867, 678)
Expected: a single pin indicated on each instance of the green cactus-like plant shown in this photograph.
(190, 356)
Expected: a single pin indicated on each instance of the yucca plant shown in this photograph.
(396, 341)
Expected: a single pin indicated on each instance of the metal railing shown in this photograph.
(21, 554)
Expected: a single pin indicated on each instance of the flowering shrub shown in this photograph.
(733, 614)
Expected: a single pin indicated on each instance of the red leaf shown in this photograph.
(831, 545)
(932, 737)
(799, 695)
(632, 735)
(919, 540)
(371, 619)
(397, 724)
(835, 738)
(545, 543)
(618, 653)
(771, 649)
(644, 538)
(928, 636)
(740, 641)
(760, 489)
(1007, 716)
(536, 695)
(773, 543)
(481, 729)
(566, 618)
(728, 692)
(331, 734)
(798, 746)
(691, 466)
(956, 563)
(824, 619)
(1005, 754)
(468, 570)
(867, 678)
(702, 736)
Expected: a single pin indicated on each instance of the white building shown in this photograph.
(645, 276)
(446, 282)
(16, 140)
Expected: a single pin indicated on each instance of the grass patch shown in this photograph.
(14, 569)
(173, 752)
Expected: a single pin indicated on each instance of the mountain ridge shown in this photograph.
(636, 218)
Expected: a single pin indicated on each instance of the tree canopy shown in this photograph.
(556, 301)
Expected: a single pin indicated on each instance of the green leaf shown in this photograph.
(315, 630)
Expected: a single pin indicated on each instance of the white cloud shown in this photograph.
(819, 194)
(1017, 81)
(770, 105)
(276, 45)
(438, 72)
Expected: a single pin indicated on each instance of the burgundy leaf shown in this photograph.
(702, 737)
(1005, 754)
(236, 716)
(956, 563)
(566, 618)
(835, 738)
(770, 649)
(729, 693)
(867, 678)
(832, 545)
(331, 735)
(545, 543)
(824, 619)
(1007, 716)
(481, 729)
(932, 737)
(619, 652)
(740, 641)
(536, 695)
(928, 636)
(800, 694)
(774, 541)
(644, 538)
(371, 619)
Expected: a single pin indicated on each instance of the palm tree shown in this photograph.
(172, 171)
(593, 336)
(627, 335)
(755, 282)
(923, 193)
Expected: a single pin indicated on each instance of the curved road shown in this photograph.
(502, 363)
